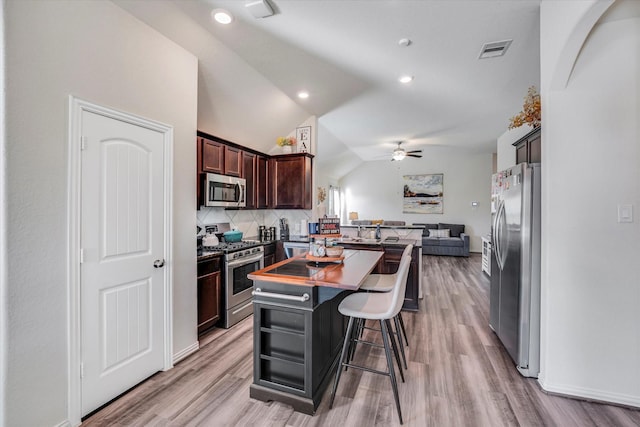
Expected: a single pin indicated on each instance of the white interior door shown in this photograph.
(122, 236)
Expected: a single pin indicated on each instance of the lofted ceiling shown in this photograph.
(347, 56)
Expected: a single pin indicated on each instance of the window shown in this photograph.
(334, 201)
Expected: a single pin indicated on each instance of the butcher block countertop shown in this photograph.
(298, 271)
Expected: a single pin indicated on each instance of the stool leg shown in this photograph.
(404, 331)
(394, 347)
(400, 343)
(343, 355)
(394, 384)
(357, 334)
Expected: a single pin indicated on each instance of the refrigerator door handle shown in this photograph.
(498, 231)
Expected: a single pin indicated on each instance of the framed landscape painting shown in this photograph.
(423, 194)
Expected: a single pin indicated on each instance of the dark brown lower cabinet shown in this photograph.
(209, 293)
(269, 253)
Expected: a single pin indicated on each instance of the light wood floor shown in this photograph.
(459, 375)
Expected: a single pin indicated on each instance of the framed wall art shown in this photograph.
(303, 135)
(423, 194)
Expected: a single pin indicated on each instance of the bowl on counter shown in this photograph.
(334, 251)
(232, 236)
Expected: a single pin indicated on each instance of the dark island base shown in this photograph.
(297, 343)
(301, 404)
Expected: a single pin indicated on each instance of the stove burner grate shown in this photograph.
(228, 247)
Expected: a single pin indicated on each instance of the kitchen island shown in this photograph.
(297, 329)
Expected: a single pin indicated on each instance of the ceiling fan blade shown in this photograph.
(414, 155)
(414, 151)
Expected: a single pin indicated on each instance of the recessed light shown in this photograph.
(303, 94)
(222, 16)
(405, 79)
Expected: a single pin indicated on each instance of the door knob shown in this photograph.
(159, 263)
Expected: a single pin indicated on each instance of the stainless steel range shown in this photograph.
(240, 259)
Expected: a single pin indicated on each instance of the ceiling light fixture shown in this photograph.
(398, 154)
(404, 42)
(303, 94)
(405, 79)
(222, 16)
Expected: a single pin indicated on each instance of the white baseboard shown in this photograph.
(591, 394)
(65, 423)
(186, 352)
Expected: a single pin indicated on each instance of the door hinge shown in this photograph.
(81, 370)
(81, 256)
(83, 143)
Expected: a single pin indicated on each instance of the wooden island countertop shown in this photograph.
(298, 271)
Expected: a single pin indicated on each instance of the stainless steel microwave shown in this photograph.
(225, 191)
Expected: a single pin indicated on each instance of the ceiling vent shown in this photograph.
(494, 49)
(259, 8)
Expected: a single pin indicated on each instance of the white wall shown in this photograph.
(3, 231)
(506, 156)
(591, 164)
(95, 51)
(374, 189)
(235, 102)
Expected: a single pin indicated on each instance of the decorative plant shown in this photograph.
(286, 140)
(322, 194)
(530, 113)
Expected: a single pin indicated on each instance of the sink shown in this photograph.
(361, 240)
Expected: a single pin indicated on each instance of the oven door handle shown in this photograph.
(302, 298)
(236, 262)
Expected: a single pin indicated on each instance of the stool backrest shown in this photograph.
(407, 250)
(397, 298)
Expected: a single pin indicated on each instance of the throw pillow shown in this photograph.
(439, 233)
(456, 229)
(427, 227)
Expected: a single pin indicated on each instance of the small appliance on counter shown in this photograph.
(284, 229)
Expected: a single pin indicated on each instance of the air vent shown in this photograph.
(494, 49)
(259, 8)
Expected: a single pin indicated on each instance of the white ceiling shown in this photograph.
(346, 54)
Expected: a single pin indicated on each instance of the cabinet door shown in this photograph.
(212, 156)
(291, 182)
(249, 174)
(521, 152)
(208, 301)
(535, 149)
(199, 186)
(262, 182)
(269, 259)
(392, 256)
(232, 161)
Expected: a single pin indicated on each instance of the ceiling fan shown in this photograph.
(400, 153)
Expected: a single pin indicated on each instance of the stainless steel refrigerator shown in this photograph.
(515, 264)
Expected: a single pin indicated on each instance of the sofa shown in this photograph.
(437, 241)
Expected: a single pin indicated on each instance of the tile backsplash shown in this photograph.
(248, 221)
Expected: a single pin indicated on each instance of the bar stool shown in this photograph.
(385, 283)
(380, 306)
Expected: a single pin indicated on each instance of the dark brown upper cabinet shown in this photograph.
(212, 156)
(291, 181)
(263, 199)
(528, 148)
(232, 161)
(249, 174)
